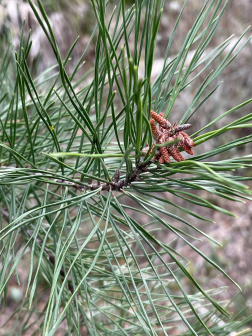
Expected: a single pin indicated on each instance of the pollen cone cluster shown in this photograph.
(164, 132)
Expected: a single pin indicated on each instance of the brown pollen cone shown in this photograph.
(161, 160)
(164, 154)
(160, 119)
(187, 143)
(175, 153)
(155, 132)
(188, 139)
(187, 149)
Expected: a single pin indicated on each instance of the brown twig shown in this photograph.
(116, 184)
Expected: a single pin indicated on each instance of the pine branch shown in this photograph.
(116, 184)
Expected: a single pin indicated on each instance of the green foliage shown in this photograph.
(107, 272)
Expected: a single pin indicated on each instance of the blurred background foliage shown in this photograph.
(76, 18)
